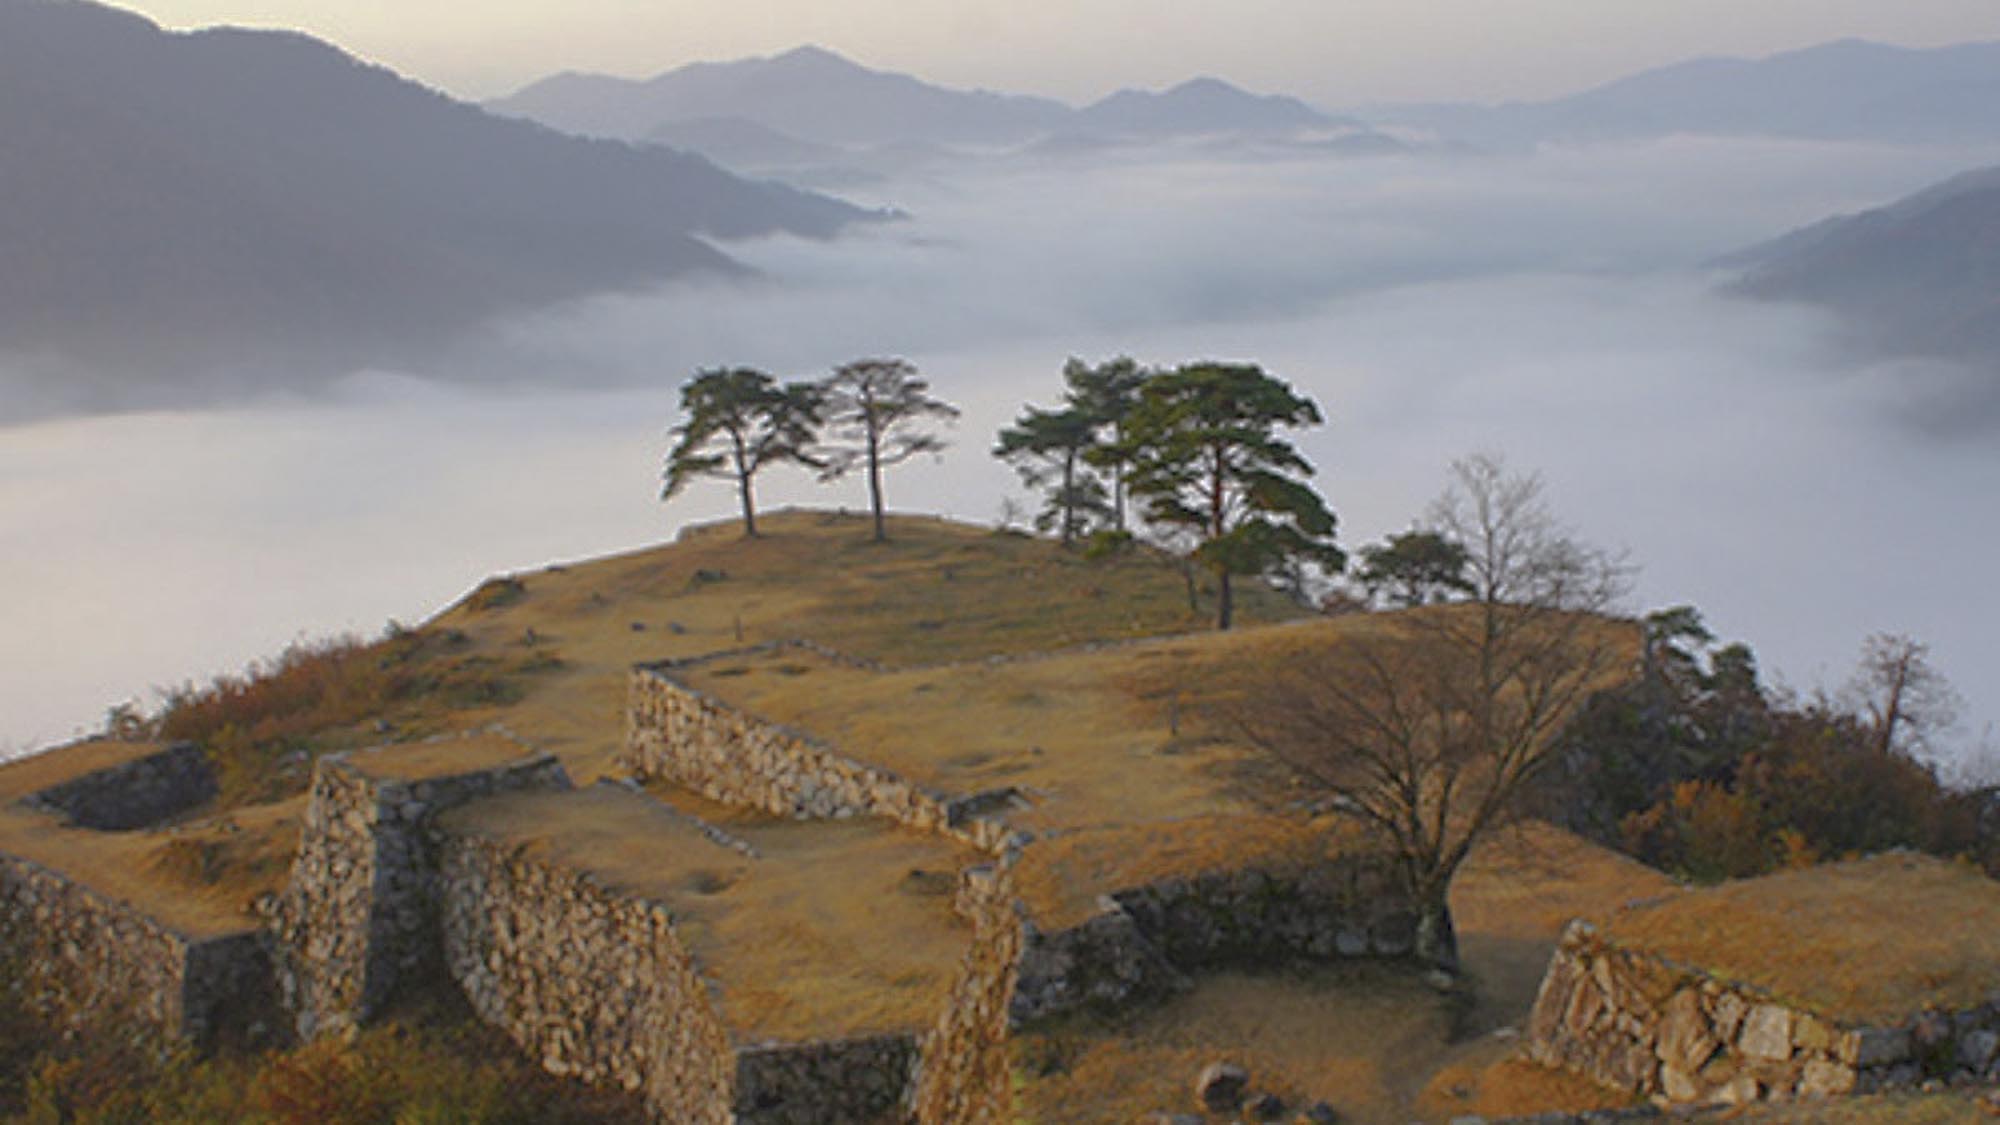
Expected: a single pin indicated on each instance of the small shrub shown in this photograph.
(495, 593)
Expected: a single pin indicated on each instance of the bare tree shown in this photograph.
(1906, 701)
(1428, 725)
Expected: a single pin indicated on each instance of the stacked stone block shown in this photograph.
(360, 915)
(679, 734)
(135, 794)
(90, 965)
(1145, 941)
(594, 984)
(964, 1071)
(1643, 1025)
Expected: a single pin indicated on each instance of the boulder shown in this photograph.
(1221, 1086)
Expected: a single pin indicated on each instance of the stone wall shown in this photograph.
(1145, 941)
(860, 1081)
(92, 965)
(594, 985)
(136, 794)
(1645, 1026)
(682, 735)
(361, 911)
(964, 1074)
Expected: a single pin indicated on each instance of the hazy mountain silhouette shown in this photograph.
(1848, 90)
(815, 96)
(808, 93)
(1203, 105)
(737, 142)
(1918, 277)
(189, 203)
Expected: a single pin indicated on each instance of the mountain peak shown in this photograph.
(1205, 86)
(814, 55)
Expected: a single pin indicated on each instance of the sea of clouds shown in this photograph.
(1555, 308)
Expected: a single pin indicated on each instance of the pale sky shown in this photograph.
(1333, 52)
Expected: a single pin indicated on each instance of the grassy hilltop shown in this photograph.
(983, 659)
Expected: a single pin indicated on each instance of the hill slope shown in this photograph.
(182, 202)
(1849, 90)
(807, 93)
(1918, 277)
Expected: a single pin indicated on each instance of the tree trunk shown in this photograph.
(875, 489)
(743, 475)
(1437, 937)
(1225, 599)
(1068, 499)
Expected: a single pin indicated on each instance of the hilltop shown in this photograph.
(1003, 697)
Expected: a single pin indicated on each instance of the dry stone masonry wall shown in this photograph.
(88, 964)
(594, 985)
(859, 1081)
(1145, 941)
(964, 1073)
(684, 736)
(136, 794)
(360, 913)
(1645, 1026)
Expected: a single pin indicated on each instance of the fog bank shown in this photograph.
(1549, 307)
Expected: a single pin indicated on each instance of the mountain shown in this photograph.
(739, 143)
(178, 204)
(809, 93)
(1918, 277)
(811, 96)
(1204, 105)
(1848, 90)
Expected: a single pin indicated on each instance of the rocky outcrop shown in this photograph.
(134, 794)
(679, 734)
(1645, 1026)
(91, 965)
(361, 912)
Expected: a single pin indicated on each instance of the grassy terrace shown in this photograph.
(1876, 940)
(161, 875)
(1094, 738)
(839, 928)
(439, 757)
(26, 776)
(936, 592)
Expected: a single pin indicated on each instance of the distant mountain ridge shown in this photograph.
(1920, 276)
(182, 203)
(1845, 90)
(815, 96)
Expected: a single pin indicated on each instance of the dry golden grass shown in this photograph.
(1492, 1079)
(828, 933)
(1370, 1039)
(1060, 879)
(1359, 1037)
(27, 776)
(125, 867)
(439, 757)
(1094, 738)
(1875, 939)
